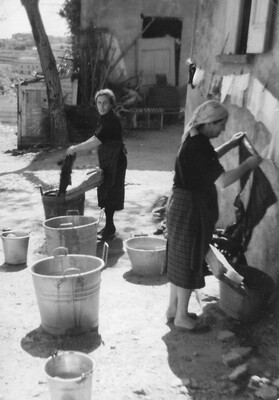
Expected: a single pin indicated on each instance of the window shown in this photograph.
(247, 26)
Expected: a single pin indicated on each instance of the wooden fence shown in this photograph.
(8, 109)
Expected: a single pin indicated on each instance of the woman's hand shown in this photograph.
(71, 150)
(236, 139)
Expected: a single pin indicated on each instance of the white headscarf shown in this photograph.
(209, 111)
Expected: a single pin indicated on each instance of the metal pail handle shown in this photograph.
(62, 280)
(72, 212)
(105, 253)
(66, 225)
(60, 251)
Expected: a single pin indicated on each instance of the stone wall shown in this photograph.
(209, 41)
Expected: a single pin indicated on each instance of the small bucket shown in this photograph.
(147, 254)
(15, 246)
(67, 288)
(77, 233)
(69, 376)
(55, 206)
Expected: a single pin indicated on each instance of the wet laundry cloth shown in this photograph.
(239, 86)
(66, 171)
(251, 207)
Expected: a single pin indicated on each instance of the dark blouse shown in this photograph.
(197, 165)
(109, 128)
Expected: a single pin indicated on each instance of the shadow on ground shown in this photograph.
(131, 277)
(115, 251)
(12, 268)
(39, 343)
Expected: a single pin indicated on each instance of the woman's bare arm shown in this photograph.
(87, 146)
(229, 177)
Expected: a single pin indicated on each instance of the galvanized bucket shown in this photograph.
(15, 246)
(67, 288)
(147, 254)
(75, 232)
(69, 375)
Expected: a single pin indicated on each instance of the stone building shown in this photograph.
(233, 47)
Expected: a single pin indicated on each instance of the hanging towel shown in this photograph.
(206, 84)
(240, 85)
(273, 149)
(268, 106)
(226, 89)
(255, 97)
(215, 87)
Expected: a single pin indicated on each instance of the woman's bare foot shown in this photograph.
(185, 323)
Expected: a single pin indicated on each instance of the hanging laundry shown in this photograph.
(261, 197)
(198, 77)
(192, 70)
(239, 86)
(268, 106)
(215, 87)
(226, 89)
(273, 149)
(205, 86)
(255, 97)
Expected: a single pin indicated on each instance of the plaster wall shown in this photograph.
(123, 19)
(209, 41)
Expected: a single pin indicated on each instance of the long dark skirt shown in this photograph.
(190, 226)
(111, 192)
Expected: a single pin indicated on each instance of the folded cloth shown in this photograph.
(92, 179)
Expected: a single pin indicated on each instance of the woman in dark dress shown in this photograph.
(108, 141)
(193, 206)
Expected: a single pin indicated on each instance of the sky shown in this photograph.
(13, 18)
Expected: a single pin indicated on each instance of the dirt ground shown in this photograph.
(137, 354)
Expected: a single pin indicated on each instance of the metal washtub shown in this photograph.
(67, 288)
(77, 233)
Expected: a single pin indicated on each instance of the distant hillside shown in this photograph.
(23, 41)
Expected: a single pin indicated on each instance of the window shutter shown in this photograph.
(259, 26)
(233, 25)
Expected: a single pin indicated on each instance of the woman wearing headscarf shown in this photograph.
(192, 210)
(108, 142)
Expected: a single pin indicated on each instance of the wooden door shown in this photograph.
(156, 56)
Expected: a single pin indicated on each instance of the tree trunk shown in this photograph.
(58, 124)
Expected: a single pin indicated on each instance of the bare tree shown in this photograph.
(58, 124)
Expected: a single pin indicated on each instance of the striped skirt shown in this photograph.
(190, 225)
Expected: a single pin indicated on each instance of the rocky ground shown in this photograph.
(137, 354)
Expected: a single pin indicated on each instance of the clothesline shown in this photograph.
(244, 91)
